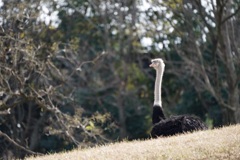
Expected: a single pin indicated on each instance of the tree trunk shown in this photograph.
(234, 100)
(228, 56)
(123, 132)
(228, 116)
(237, 114)
(121, 114)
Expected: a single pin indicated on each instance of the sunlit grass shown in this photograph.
(223, 143)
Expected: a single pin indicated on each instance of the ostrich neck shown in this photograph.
(158, 86)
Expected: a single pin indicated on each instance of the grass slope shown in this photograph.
(222, 143)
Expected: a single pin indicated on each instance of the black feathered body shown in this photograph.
(175, 124)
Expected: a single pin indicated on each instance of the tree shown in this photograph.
(113, 84)
(37, 87)
(204, 39)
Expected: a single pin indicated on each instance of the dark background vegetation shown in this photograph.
(82, 78)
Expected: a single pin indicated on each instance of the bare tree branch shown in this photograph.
(231, 15)
(18, 145)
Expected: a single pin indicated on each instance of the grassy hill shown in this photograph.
(222, 143)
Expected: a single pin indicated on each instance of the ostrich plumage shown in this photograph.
(173, 125)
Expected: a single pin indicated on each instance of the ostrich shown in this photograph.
(163, 126)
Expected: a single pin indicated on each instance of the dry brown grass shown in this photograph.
(223, 143)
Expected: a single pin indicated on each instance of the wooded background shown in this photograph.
(75, 73)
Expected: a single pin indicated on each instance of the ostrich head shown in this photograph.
(157, 64)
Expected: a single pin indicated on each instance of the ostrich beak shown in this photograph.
(151, 65)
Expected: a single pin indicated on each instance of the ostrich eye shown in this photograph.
(155, 62)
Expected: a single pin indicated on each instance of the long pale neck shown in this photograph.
(158, 86)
